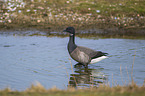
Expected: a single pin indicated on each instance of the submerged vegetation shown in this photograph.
(124, 16)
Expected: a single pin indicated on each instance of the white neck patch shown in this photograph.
(71, 34)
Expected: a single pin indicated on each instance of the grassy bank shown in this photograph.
(54, 15)
(39, 90)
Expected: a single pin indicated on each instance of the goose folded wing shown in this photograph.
(92, 53)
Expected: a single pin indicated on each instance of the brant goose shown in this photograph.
(81, 54)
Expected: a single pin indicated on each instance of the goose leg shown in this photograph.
(78, 64)
(86, 65)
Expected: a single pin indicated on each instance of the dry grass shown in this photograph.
(103, 90)
(82, 14)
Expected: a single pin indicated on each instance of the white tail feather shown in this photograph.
(98, 59)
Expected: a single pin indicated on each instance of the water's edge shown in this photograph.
(86, 33)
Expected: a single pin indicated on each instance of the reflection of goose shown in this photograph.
(86, 77)
(81, 54)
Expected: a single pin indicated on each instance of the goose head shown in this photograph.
(70, 30)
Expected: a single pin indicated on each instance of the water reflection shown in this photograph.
(87, 77)
(26, 59)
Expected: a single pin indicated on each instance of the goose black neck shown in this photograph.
(71, 44)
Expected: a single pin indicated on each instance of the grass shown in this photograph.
(54, 15)
(39, 90)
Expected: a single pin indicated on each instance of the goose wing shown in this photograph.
(91, 53)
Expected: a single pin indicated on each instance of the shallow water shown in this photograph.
(26, 59)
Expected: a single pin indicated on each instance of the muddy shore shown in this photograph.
(132, 33)
(90, 18)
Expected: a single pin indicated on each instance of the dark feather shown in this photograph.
(99, 54)
(91, 53)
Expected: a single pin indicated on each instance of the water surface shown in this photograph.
(26, 59)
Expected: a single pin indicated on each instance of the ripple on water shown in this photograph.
(26, 59)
